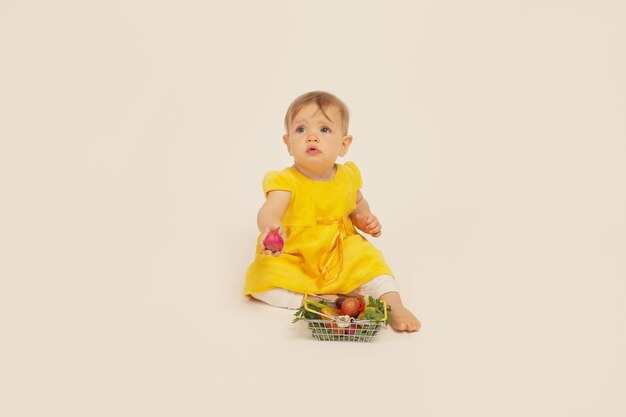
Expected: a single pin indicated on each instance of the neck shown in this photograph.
(323, 175)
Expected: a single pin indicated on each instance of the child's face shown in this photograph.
(314, 141)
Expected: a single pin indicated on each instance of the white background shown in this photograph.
(133, 139)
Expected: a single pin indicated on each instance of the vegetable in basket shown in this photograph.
(373, 310)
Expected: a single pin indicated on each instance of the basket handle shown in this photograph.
(384, 320)
(306, 307)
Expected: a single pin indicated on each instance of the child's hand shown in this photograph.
(368, 224)
(267, 251)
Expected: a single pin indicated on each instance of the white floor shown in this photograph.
(133, 139)
(155, 343)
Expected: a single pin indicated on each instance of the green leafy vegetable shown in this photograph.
(375, 310)
(303, 314)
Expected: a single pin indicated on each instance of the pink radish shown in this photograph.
(273, 242)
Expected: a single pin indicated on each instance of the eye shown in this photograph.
(325, 130)
(300, 129)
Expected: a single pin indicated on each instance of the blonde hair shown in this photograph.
(324, 101)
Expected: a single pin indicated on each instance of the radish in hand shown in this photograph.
(273, 241)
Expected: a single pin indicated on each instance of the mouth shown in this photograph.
(312, 150)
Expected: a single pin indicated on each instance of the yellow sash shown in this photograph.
(331, 264)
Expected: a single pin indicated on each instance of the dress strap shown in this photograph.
(331, 264)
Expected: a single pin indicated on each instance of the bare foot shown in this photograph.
(402, 319)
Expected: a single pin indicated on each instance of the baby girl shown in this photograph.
(316, 205)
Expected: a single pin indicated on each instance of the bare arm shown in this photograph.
(270, 216)
(363, 218)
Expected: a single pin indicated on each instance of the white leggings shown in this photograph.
(280, 297)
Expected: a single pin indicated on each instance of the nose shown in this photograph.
(312, 138)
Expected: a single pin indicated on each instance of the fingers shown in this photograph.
(370, 224)
(374, 227)
(270, 253)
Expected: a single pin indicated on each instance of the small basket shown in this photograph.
(333, 329)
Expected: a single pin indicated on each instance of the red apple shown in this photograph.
(361, 303)
(350, 306)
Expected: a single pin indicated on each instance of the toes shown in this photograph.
(414, 325)
(405, 326)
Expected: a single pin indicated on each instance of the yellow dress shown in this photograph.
(324, 254)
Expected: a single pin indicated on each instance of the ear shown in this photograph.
(286, 140)
(345, 145)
